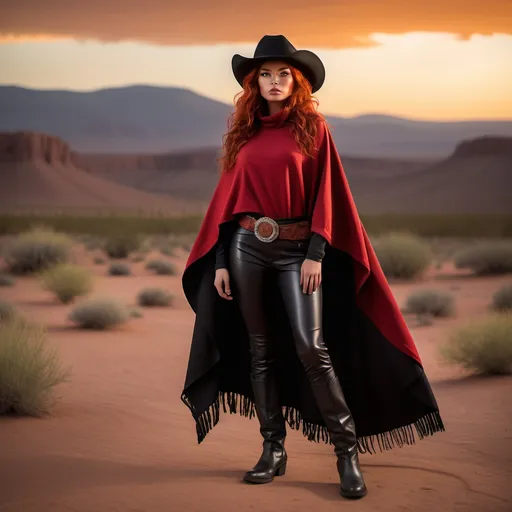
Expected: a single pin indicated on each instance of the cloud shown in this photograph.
(324, 23)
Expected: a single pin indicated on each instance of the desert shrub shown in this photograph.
(161, 267)
(136, 313)
(121, 246)
(429, 302)
(89, 241)
(168, 244)
(502, 299)
(424, 320)
(402, 255)
(489, 258)
(154, 297)
(7, 310)
(167, 250)
(100, 314)
(99, 260)
(119, 269)
(138, 258)
(67, 281)
(93, 245)
(37, 250)
(29, 369)
(6, 280)
(483, 345)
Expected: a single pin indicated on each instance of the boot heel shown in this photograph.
(281, 470)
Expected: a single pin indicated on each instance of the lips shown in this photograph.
(275, 91)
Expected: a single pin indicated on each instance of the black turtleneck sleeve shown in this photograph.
(316, 249)
(223, 243)
(220, 256)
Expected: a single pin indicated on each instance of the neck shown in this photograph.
(275, 106)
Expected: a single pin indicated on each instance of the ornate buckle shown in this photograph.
(266, 229)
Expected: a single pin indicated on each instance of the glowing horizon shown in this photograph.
(437, 60)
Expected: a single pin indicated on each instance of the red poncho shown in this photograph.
(371, 348)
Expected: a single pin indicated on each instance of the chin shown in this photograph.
(276, 99)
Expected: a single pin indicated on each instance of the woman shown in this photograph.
(295, 321)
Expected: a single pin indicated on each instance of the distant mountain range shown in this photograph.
(475, 178)
(148, 119)
(41, 172)
(38, 173)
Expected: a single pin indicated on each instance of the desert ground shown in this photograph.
(120, 439)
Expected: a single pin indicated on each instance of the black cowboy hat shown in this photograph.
(279, 48)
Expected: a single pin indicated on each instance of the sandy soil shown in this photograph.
(121, 440)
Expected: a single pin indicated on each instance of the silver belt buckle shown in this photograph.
(266, 229)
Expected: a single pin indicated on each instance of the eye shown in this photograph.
(285, 73)
(264, 73)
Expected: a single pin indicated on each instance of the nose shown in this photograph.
(275, 80)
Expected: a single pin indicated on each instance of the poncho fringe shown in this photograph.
(235, 403)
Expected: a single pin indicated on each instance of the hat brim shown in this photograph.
(305, 61)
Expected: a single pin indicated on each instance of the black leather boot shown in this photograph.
(273, 429)
(341, 427)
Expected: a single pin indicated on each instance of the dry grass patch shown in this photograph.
(402, 255)
(67, 281)
(502, 299)
(29, 369)
(154, 297)
(429, 302)
(100, 314)
(483, 345)
(36, 250)
(493, 257)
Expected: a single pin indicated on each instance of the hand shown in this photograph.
(221, 283)
(310, 275)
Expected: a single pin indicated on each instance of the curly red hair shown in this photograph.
(301, 105)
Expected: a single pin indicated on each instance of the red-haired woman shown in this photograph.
(295, 321)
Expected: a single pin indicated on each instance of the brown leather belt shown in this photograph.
(267, 229)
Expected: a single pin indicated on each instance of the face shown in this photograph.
(275, 81)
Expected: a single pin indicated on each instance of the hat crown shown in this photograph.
(274, 46)
(279, 48)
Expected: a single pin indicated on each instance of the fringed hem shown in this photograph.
(236, 403)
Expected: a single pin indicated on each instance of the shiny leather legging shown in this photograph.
(250, 259)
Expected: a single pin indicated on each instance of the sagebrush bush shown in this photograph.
(483, 345)
(119, 269)
(136, 313)
(89, 241)
(167, 251)
(29, 369)
(37, 250)
(94, 245)
(429, 302)
(154, 297)
(99, 260)
(138, 258)
(424, 320)
(67, 281)
(7, 310)
(502, 299)
(100, 314)
(493, 257)
(161, 267)
(145, 245)
(121, 246)
(6, 280)
(402, 255)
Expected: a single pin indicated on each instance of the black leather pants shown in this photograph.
(250, 260)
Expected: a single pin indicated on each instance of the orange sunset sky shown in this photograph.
(441, 59)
